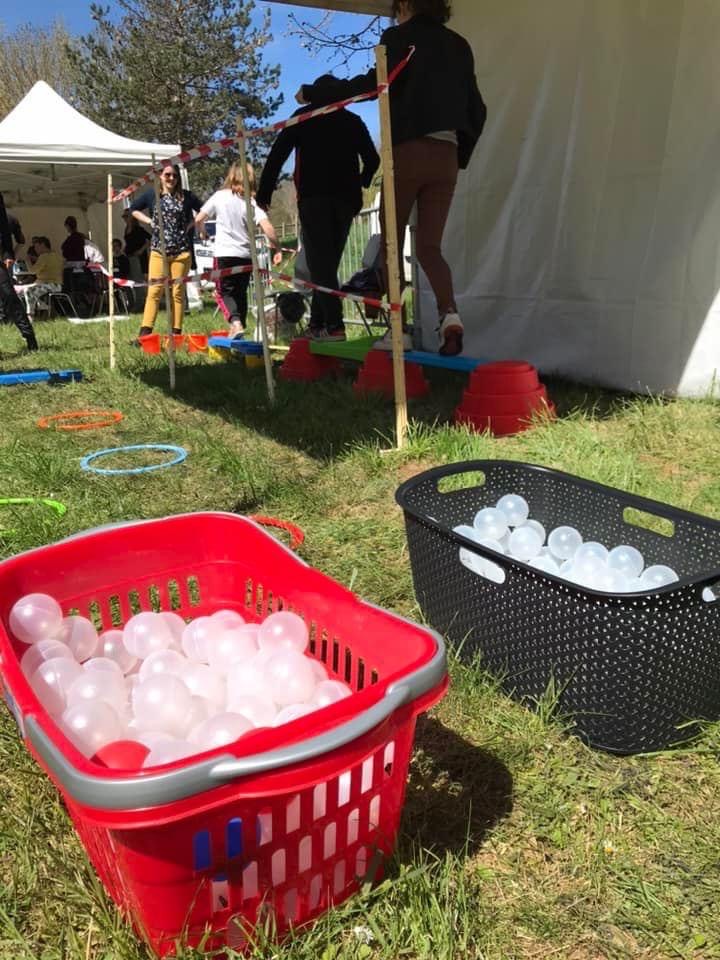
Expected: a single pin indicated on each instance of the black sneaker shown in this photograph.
(31, 342)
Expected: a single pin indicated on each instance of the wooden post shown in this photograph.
(110, 279)
(166, 275)
(391, 248)
(259, 298)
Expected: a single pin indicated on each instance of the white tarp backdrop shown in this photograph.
(584, 236)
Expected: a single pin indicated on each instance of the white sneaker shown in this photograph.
(450, 335)
(385, 343)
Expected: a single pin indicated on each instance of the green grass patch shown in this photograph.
(517, 841)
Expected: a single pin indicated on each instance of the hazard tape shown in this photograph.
(226, 143)
(188, 278)
(341, 294)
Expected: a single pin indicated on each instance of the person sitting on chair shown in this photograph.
(121, 262)
(73, 246)
(48, 272)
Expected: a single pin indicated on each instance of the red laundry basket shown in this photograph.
(285, 821)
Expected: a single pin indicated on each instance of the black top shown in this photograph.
(135, 239)
(6, 240)
(178, 213)
(328, 151)
(437, 90)
(121, 266)
(73, 247)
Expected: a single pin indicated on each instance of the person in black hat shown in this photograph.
(10, 302)
(329, 180)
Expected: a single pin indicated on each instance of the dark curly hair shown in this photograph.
(437, 9)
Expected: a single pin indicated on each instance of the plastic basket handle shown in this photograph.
(132, 793)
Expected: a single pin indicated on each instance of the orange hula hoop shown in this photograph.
(114, 417)
(297, 537)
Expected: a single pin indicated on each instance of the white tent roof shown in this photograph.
(378, 7)
(52, 154)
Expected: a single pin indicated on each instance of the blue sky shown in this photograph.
(297, 65)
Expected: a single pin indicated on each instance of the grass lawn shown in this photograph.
(517, 841)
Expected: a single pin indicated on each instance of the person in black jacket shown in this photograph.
(437, 117)
(329, 182)
(10, 303)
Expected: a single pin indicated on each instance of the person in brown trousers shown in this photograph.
(437, 117)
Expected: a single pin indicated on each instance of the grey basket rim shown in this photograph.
(655, 507)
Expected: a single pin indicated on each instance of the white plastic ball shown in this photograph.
(491, 523)
(524, 543)
(168, 751)
(546, 564)
(220, 730)
(99, 685)
(231, 646)
(227, 618)
(490, 544)
(591, 550)
(145, 633)
(80, 635)
(465, 531)
(318, 669)
(52, 682)
(564, 541)
(36, 616)
(537, 527)
(249, 677)
(258, 711)
(656, 576)
(611, 581)
(200, 710)
(330, 691)
(627, 560)
(195, 637)
(40, 651)
(290, 678)
(112, 647)
(203, 681)
(149, 738)
(91, 725)
(103, 665)
(176, 624)
(293, 711)
(162, 662)
(515, 508)
(283, 630)
(162, 703)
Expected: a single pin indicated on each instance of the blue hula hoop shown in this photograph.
(181, 454)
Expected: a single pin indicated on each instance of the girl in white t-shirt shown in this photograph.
(232, 243)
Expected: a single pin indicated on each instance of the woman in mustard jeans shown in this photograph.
(178, 212)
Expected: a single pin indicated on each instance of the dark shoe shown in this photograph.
(31, 342)
(177, 331)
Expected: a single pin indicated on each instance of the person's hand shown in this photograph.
(300, 97)
(277, 258)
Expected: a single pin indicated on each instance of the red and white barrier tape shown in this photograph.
(341, 294)
(188, 278)
(206, 149)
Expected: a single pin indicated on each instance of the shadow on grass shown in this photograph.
(319, 418)
(456, 794)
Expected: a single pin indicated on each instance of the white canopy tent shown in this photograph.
(51, 156)
(585, 235)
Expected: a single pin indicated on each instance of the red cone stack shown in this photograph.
(376, 376)
(302, 365)
(502, 398)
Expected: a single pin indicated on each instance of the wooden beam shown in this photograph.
(380, 8)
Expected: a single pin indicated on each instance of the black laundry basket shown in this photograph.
(635, 672)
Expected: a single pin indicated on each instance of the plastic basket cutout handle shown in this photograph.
(653, 522)
(466, 480)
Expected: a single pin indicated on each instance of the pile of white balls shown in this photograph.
(507, 528)
(175, 688)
